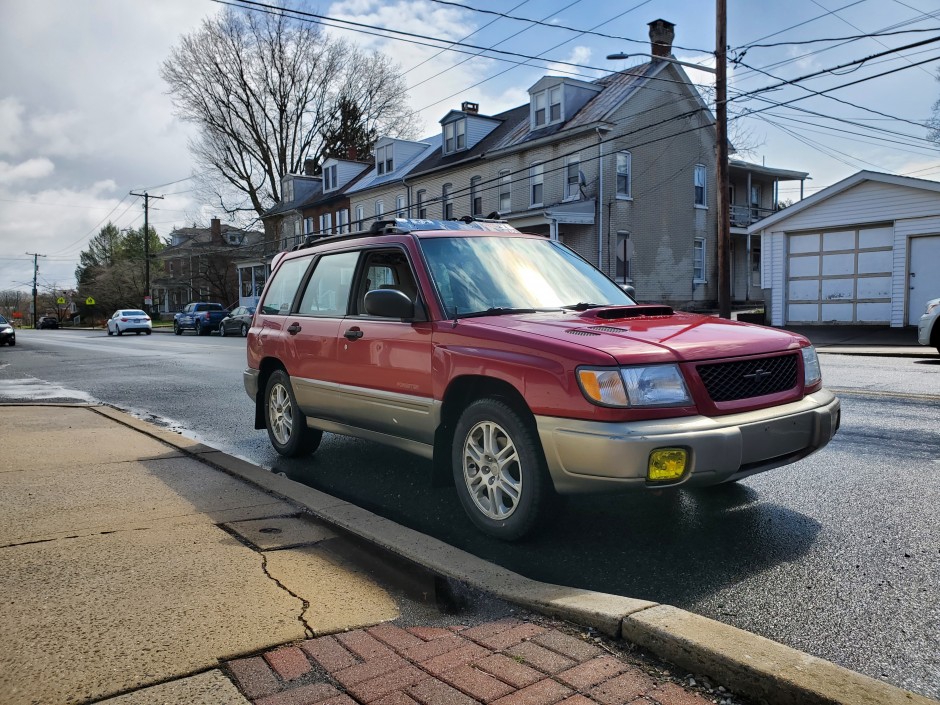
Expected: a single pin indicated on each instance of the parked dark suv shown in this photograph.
(521, 370)
(47, 322)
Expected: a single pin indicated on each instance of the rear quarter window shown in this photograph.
(283, 286)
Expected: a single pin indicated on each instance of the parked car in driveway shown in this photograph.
(200, 316)
(928, 329)
(7, 332)
(129, 320)
(237, 322)
(47, 322)
(520, 370)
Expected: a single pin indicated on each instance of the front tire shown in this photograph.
(244, 330)
(119, 331)
(221, 331)
(110, 332)
(176, 329)
(500, 471)
(286, 425)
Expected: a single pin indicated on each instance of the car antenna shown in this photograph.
(455, 316)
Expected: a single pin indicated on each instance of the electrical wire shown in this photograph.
(580, 32)
(844, 40)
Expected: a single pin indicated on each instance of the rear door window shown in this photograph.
(327, 292)
(283, 287)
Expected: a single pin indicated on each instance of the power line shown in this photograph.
(846, 85)
(844, 40)
(591, 31)
(805, 22)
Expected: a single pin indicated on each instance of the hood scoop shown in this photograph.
(614, 313)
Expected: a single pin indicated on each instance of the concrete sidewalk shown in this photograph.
(137, 566)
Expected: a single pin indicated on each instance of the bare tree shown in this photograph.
(264, 89)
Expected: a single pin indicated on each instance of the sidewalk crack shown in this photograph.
(305, 604)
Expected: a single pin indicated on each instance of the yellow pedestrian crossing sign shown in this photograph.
(60, 300)
(89, 301)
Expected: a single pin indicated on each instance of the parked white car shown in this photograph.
(129, 320)
(928, 329)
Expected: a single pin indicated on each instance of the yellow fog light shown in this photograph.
(667, 464)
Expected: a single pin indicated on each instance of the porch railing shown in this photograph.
(743, 216)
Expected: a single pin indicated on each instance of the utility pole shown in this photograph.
(35, 274)
(721, 129)
(146, 196)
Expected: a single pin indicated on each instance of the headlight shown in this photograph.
(811, 372)
(655, 385)
(931, 305)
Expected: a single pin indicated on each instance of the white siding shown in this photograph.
(904, 230)
(868, 202)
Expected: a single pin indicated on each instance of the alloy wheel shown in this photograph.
(492, 470)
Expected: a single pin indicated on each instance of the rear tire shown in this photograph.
(198, 328)
(221, 331)
(286, 425)
(148, 332)
(244, 330)
(110, 331)
(499, 470)
(119, 331)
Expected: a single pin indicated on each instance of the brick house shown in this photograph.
(203, 264)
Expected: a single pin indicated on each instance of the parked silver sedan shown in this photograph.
(928, 328)
(129, 320)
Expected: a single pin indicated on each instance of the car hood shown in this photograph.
(653, 332)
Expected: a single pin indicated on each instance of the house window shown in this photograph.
(360, 216)
(288, 190)
(756, 194)
(539, 105)
(476, 197)
(326, 224)
(308, 226)
(546, 107)
(447, 208)
(700, 186)
(624, 257)
(535, 185)
(698, 261)
(624, 175)
(455, 136)
(379, 209)
(329, 178)
(422, 207)
(384, 161)
(572, 178)
(505, 191)
(342, 221)
(554, 104)
(400, 206)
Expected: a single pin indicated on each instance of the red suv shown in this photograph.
(521, 370)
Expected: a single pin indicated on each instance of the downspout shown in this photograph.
(600, 199)
(404, 181)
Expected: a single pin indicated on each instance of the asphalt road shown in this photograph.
(838, 555)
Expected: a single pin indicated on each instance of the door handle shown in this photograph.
(293, 328)
(353, 334)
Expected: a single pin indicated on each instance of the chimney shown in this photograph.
(352, 153)
(470, 108)
(309, 167)
(661, 36)
(215, 231)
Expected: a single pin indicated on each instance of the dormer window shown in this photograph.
(455, 136)
(329, 178)
(288, 190)
(546, 107)
(384, 159)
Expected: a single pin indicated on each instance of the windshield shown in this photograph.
(2, 320)
(474, 275)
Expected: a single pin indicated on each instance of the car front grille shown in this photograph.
(746, 379)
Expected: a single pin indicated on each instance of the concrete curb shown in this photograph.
(745, 663)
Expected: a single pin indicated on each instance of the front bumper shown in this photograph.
(925, 327)
(591, 456)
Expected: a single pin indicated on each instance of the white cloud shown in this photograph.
(579, 55)
(11, 125)
(24, 171)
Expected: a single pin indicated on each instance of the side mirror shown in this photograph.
(389, 303)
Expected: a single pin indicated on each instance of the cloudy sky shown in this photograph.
(85, 119)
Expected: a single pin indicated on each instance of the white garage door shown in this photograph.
(840, 276)
(924, 275)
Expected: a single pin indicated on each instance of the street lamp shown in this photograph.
(706, 69)
(721, 157)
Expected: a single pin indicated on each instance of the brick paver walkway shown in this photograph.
(508, 662)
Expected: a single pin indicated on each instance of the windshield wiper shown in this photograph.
(582, 306)
(500, 311)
